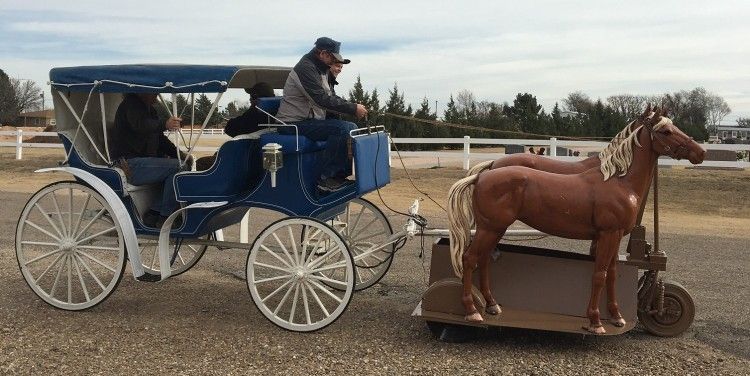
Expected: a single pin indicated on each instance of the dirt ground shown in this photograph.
(204, 321)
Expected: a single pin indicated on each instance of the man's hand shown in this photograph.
(173, 123)
(361, 111)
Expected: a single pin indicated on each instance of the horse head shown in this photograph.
(668, 139)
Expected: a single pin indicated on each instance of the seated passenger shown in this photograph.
(307, 98)
(245, 123)
(143, 151)
(248, 121)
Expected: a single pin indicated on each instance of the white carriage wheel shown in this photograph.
(187, 255)
(363, 227)
(290, 269)
(69, 246)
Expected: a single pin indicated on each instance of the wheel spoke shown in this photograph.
(368, 223)
(283, 248)
(285, 284)
(46, 216)
(57, 277)
(325, 290)
(28, 242)
(113, 228)
(59, 213)
(306, 245)
(34, 225)
(368, 237)
(356, 220)
(88, 269)
(80, 217)
(42, 256)
(270, 266)
(317, 299)
(91, 222)
(80, 278)
(272, 253)
(329, 280)
(293, 242)
(36, 281)
(98, 262)
(283, 300)
(294, 303)
(70, 209)
(264, 280)
(307, 306)
(97, 247)
(339, 264)
(321, 259)
(70, 279)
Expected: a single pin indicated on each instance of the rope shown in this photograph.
(166, 84)
(475, 128)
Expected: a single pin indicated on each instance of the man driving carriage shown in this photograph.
(144, 152)
(308, 96)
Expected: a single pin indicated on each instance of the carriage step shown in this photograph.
(148, 277)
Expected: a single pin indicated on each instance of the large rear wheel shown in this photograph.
(69, 246)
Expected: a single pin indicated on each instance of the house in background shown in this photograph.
(728, 132)
(43, 118)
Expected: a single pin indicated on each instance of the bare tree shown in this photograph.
(628, 105)
(743, 122)
(28, 94)
(578, 102)
(464, 99)
(716, 110)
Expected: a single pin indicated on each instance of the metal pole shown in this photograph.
(553, 147)
(390, 151)
(19, 144)
(656, 208)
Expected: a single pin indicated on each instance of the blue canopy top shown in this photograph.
(162, 78)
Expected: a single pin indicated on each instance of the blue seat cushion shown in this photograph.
(289, 143)
(269, 104)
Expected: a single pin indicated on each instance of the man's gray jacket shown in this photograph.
(308, 95)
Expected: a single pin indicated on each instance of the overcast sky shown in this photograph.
(495, 49)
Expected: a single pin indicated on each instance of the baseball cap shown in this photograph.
(332, 46)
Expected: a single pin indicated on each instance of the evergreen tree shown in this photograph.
(8, 104)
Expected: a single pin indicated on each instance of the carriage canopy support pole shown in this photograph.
(80, 123)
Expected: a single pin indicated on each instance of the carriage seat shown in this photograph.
(236, 170)
(288, 142)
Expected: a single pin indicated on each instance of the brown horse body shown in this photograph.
(586, 205)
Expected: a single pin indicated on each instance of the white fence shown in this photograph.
(465, 156)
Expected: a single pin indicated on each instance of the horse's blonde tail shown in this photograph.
(460, 219)
(479, 167)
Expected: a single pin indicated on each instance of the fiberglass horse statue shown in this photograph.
(599, 204)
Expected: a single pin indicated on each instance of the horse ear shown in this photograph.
(664, 111)
(647, 112)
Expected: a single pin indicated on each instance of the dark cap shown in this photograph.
(260, 90)
(332, 46)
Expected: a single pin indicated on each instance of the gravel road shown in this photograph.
(204, 322)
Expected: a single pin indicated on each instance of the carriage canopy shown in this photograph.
(165, 78)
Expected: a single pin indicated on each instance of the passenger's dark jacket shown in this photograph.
(138, 132)
(246, 123)
(307, 93)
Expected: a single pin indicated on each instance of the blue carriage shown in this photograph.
(74, 237)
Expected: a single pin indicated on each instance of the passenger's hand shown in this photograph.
(361, 111)
(173, 123)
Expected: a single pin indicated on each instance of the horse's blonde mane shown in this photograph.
(618, 155)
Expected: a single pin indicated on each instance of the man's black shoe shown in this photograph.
(333, 184)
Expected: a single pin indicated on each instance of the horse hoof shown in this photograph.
(595, 329)
(618, 321)
(474, 317)
(493, 309)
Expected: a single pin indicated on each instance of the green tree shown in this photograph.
(202, 107)
(8, 104)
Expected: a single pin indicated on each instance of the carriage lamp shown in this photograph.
(272, 160)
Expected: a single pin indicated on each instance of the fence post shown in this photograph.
(390, 151)
(553, 147)
(467, 145)
(19, 143)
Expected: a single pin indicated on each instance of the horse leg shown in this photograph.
(484, 276)
(606, 245)
(482, 240)
(614, 309)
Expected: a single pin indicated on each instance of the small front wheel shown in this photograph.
(677, 316)
(69, 246)
(300, 274)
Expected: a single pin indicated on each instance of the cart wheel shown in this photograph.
(679, 311)
(187, 255)
(363, 226)
(290, 270)
(69, 246)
